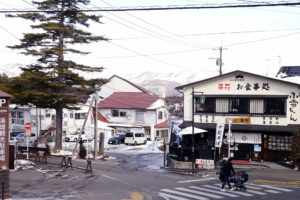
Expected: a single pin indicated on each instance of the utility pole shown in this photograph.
(219, 61)
(96, 126)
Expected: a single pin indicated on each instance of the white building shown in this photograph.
(265, 113)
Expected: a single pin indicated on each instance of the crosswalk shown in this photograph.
(207, 192)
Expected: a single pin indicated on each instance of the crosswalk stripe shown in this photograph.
(200, 193)
(184, 194)
(234, 192)
(273, 191)
(273, 187)
(256, 192)
(252, 187)
(171, 196)
(197, 180)
(214, 191)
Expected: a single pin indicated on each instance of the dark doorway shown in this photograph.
(243, 152)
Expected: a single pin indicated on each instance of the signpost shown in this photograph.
(4, 146)
(27, 134)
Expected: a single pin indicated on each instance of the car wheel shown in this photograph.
(126, 144)
(145, 142)
(135, 143)
(75, 139)
(67, 139)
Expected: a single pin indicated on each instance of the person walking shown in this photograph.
(227, 169)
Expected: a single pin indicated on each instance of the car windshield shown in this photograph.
(129, 134)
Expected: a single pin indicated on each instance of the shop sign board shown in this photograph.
(205, 164)
(240, 120)
(4, 153)
(219, 134)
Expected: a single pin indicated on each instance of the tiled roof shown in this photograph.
(100, 117)
(163, 125)
(128, 100)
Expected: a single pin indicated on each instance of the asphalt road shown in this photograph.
(132, 178)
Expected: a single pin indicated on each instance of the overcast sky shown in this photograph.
(257, 40)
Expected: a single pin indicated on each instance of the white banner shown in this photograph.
(247, 138)
(219, 134)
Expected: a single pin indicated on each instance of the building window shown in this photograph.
(115, 113)
(280, 143)
(122, 114)
(239, 105)
(209, 106)
(71, 115)
(80, 115)
(48, 115)
(160, 115)
(17, 117)
(53, 117)
(275, 106)
(256, 106)
(140, 117)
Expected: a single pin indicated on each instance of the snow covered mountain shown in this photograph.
(168, 80)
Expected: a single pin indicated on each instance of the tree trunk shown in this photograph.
(59, 119)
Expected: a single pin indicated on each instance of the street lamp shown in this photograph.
(202, 101)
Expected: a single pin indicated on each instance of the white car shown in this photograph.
(135, 138)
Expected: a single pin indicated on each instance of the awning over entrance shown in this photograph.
(246, 138)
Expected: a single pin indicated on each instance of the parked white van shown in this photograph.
(135, 138)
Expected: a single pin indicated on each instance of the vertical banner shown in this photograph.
(219, 134)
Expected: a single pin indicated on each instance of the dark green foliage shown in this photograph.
(54, 82)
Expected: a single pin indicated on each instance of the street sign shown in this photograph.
(27, 133)
(27, 126)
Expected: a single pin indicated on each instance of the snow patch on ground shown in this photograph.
(150, 147)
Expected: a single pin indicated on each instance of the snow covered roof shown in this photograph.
(128, 100)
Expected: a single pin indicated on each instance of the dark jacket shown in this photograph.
(228, 169)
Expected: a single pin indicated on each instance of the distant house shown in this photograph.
(119, 84)
(134, 112)
(288, 71)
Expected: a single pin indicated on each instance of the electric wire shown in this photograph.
(159, 28)
(159, 8)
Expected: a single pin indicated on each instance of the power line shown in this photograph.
(159, 28)
(155, 59)
(157, 8)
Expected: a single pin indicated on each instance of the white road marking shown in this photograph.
(273, 187)
(213, 191)
(253, 187)
(167, 196)
(200, 193)
(112, 178)
(184, 194)
(272, 191)
(196, 180)
(235, 192)
(256, 192)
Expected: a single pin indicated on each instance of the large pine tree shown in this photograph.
(52, 81)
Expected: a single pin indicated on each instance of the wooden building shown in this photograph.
(265, 113)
